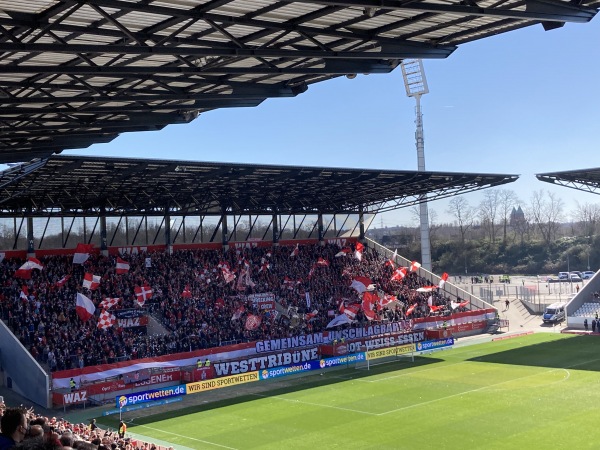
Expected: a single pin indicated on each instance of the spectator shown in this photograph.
(13, 427)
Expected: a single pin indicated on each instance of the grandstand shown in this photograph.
(247, 272)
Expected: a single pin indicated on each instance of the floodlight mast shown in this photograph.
(416, 86)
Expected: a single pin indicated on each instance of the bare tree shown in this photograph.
(434, 226)
(588, 216)
(488, 212)
(546, 211)
(507, 201)
(464, 214)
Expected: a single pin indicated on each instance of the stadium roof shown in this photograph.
(76, 185)
(74, 72)
(587, 180)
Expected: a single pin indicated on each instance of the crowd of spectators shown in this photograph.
(22, 428)
(199, 305)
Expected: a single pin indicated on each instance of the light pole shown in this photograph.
(416, 86)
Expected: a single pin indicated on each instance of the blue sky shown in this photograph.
(523, 102)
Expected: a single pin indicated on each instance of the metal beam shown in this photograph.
(398, 50)
(536, 10)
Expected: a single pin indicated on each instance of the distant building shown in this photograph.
(517, 216)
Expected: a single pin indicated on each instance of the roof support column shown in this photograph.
(361, 224)
(275, 230)
(103, 246)
(224, 231)
(30, 248)
(168, 231)
(320, 229)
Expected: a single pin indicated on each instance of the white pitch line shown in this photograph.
(187, 437)
(489, 386)
(316, 404)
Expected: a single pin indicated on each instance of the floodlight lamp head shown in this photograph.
(369, 11)
(351, 76)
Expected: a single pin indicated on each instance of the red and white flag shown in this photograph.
(253, 322)
(122, 266)
(359, 248)
(410, 310)
(142, 293)
(84, 307)
(369, 304)
(82, 253)
(228, 275)
(350, 310)
(362, 284)
(414, 266)
(343, 252)
(108, 303)
(427, 288)
(238, 313)
(24, 295)
(462, 304)
(62, 281)
(322, 262)
(106, 320)
(295, 251)
(443, 280)
(187, 293)
(25, 270)
(392, 260)
(434, 308)
(310, 316)
(399, 274)
(342, 319)
(387, 300)
(91, 282)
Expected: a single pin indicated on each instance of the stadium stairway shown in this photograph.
(518, 315)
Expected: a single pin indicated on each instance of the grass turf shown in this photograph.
(537, 391)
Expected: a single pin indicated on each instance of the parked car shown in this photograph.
(588, 274)
(575, 278)
(576, 272)
(563, 275)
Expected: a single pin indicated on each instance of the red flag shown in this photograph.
(84, 307)
(106, 320)
(25, 270)
(142, 294)
(91, 282)
(122, 266)
(187, 293)
(219, 303)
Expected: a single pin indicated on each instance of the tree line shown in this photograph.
(503, 234)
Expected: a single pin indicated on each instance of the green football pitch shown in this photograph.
(540, 391)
